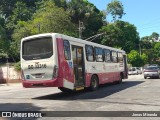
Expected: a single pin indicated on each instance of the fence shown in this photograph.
(8, 74)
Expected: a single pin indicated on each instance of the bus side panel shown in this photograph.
(88, 79)
(108, 77)
(65, 71)
(103, 77)
(105, 74)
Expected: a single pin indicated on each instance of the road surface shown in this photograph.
(134, 94)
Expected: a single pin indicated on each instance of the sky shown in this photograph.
(144, 14)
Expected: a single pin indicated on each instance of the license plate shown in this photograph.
(38, 76)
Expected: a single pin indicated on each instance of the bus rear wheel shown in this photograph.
(120, 78)
(94, 83)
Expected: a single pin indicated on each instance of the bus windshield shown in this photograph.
(37, 48)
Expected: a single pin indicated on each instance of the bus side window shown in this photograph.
(107, 55)
(89, 53)
(114, 56)
(67, 52)
(120, 57)
(98, 54)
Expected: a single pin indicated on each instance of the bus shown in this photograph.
(56, 60)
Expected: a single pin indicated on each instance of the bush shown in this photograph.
(17, 66)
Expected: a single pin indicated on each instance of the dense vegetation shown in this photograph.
(21, 18)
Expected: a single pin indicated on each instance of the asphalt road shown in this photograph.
(134, 94)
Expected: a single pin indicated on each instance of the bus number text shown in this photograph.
(37, 66)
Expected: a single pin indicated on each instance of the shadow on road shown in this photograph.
(150, 78)
(19, 107)
(103, 91)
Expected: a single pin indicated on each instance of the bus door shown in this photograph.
(125, 66)
(78, 64)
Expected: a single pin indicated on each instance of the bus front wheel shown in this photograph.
(94, 83)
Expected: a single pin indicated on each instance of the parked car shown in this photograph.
(152, 72)
(133, 71)
(139, 70)
(156, 65)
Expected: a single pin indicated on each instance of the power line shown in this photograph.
(151, 22)
(149, 27)
(95, 36)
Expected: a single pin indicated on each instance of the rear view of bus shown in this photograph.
(38, 62)
(56, 60)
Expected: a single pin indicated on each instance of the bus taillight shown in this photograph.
(55, 71)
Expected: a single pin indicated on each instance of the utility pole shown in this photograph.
(81, 28)
(7, 63)
(140, 51)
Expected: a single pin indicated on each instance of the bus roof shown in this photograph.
(78, 40)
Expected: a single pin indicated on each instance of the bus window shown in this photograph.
(120, 57)
(98, 54)
(89, 53)
(67, 52)
(107, 55)
(114, 56)
(37, 48)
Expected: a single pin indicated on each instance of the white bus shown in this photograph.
(56, 60)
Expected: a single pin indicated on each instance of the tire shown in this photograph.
(94, 83)
(65, 90)
(120, 79)
(159, 76)
(145, 77)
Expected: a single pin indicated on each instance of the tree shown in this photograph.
(14, 51)
(115, 8)
(155, 36)
(112, 34)
(157, 52)
(15, 10)
(145, 44)
(135, 59)
(61, 3)
(157, 48)
(86, 13)
(2, 21)
(49, 18)
(144, 57)
(151, 48)
(4, 43)
(122, 35)
(7, 6)
(146, 38)
(20, 13)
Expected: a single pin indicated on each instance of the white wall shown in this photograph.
(9, 72)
